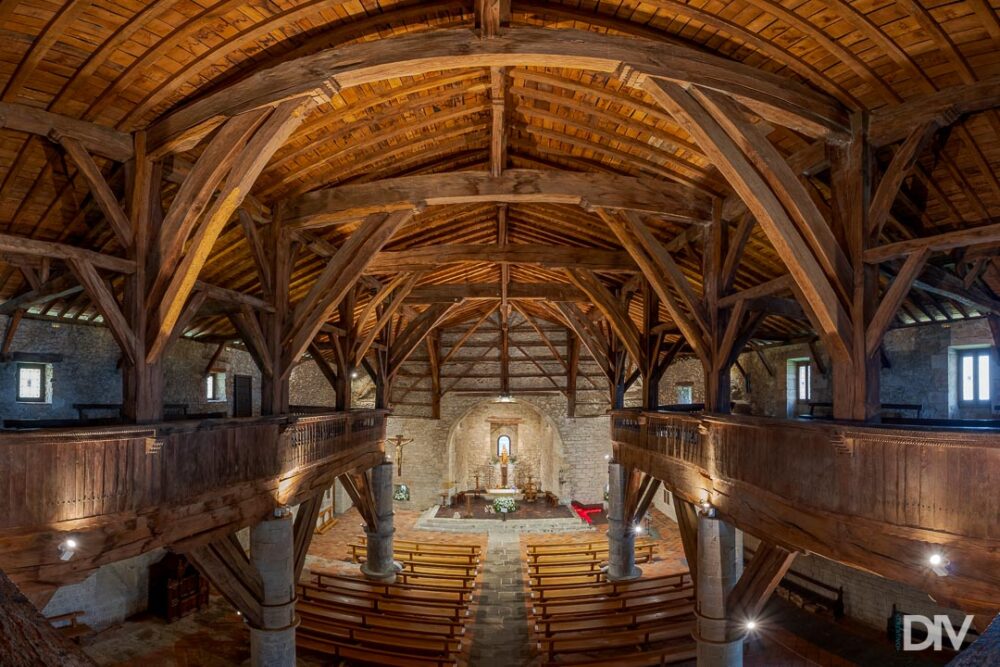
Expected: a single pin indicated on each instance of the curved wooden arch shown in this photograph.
(348, 203)
(775, 98)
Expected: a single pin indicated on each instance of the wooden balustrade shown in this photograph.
(121, 491)
(878, 498)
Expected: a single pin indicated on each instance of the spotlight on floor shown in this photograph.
(67, 549)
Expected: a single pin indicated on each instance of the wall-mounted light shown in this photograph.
(67, 549)
(751, 625)
(354, 375)
(939, 564)
(638, 529)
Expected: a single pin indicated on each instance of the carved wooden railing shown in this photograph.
(875, 497)
(50, 477)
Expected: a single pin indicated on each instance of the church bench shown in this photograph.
(73, 628)
(430, 567)
(610, 605)
(565, 591)
(581, 564)
(576, 577)
(550, 647)
(457, 597)
(467, 582)
(642, 555)
(367, 584)
(577, 547)
(460, 548)
(419, 598)
(419, 555)
(359, 602)
(598, 623)
(343, 615)
(327, 520)
(390, 639)
(644, 551)
(642, 658)
(369, 656)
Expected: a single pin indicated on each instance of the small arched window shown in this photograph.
(503, 442)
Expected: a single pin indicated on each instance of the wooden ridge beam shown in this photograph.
(347, 203)
(515, 292)
(57, 287)
(430, 257)
(17, 245)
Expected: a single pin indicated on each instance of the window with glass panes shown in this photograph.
(803, 381)
(974, 376)
(31, 383)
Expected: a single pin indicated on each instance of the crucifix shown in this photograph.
(400, 442)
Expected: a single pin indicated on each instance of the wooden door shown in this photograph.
(242, 396)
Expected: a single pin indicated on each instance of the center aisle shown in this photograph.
(500, 635)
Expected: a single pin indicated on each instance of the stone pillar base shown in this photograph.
(272, 647)
(627, 576)
(387, 576)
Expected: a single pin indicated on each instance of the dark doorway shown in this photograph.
(242, 396)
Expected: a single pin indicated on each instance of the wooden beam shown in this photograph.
(324, 366)
(468, 333)
(17, 245)
(333, 283)
(776, 98)
(726, 155)
(660, 283)
(388, 312)
(903, 162)
(8, 337)
(572, 367)
(735, 252)
(247, 167)
(768, 566)
(303, 531)
(257, 251)
(589, 335)
(107, 305)
(250, 330)
(516, 291)
(408, 340)
(97, 139)
(431, 257)
(893, 299)
(687, 524)
(105, 198)
(604, 301)
(225, 564)
(58, 287)
(346, 203)
(982, 234)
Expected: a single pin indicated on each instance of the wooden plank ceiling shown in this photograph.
(123, 64)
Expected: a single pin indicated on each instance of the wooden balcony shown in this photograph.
(876, 498)
(122, 491)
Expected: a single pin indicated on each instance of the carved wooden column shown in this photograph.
(621, 534)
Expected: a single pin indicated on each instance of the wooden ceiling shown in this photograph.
(128, 65)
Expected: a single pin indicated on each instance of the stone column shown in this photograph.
(621, 536)
(272, 554)
(720, 565)
(379, 564)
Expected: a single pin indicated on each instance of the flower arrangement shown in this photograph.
(401, 492)
(504, 505)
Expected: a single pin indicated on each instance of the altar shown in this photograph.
(493, 494)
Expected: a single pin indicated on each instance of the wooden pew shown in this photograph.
(431, 567)
(558, 625)
(567, 644)
(611, 604)
(419, 554)
(455, 596)
(550, 552)
(460, 548)
(361, 602)
(464, 593)
(367, 619)
(368, 655)
(545, 592)
(382, 639)
(641, 658)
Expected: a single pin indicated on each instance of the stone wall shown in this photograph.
(428, 460)
(88, 373)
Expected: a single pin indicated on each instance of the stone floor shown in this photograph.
(498, 633)
(478, 508)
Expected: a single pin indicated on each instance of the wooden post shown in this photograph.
(856, 384)
(572, 368)
(280, 251)
(142, 382)
(651, 344)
